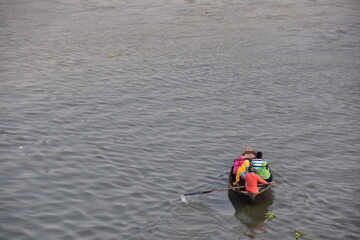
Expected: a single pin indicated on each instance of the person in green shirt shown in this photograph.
(263, 171)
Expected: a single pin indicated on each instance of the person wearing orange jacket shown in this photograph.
(252, 180)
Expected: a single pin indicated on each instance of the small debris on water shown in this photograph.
(112, 55)
(21, 147)
(307, 165)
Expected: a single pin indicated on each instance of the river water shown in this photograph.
(111, 110)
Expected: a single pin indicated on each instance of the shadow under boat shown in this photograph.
(252, 215)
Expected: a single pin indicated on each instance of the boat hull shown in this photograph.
(242, 195)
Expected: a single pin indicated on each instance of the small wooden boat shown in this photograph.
(244, 196)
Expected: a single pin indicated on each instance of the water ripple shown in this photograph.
(110, 111)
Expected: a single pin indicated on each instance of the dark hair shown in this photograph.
(259, 155)
(251, 169)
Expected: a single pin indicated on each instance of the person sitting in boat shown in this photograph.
(243, 174)
(257, 162)
(252, 180)
(248, 152)
(241, 169)
(237, 163)
(264, 172)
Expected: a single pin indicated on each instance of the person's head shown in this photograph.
(259, 155)
(251, 169)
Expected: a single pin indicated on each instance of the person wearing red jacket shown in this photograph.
(252, 180)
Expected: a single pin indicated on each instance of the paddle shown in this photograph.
(218, 189)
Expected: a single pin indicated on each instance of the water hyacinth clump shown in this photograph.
(299, 233)
(270, 215)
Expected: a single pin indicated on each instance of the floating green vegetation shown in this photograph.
(112, 55)
(307, 165)
(299, 233)
(117, 55)
(38, 69)
(270, 215)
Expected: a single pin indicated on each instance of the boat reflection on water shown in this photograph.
(252, 215)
